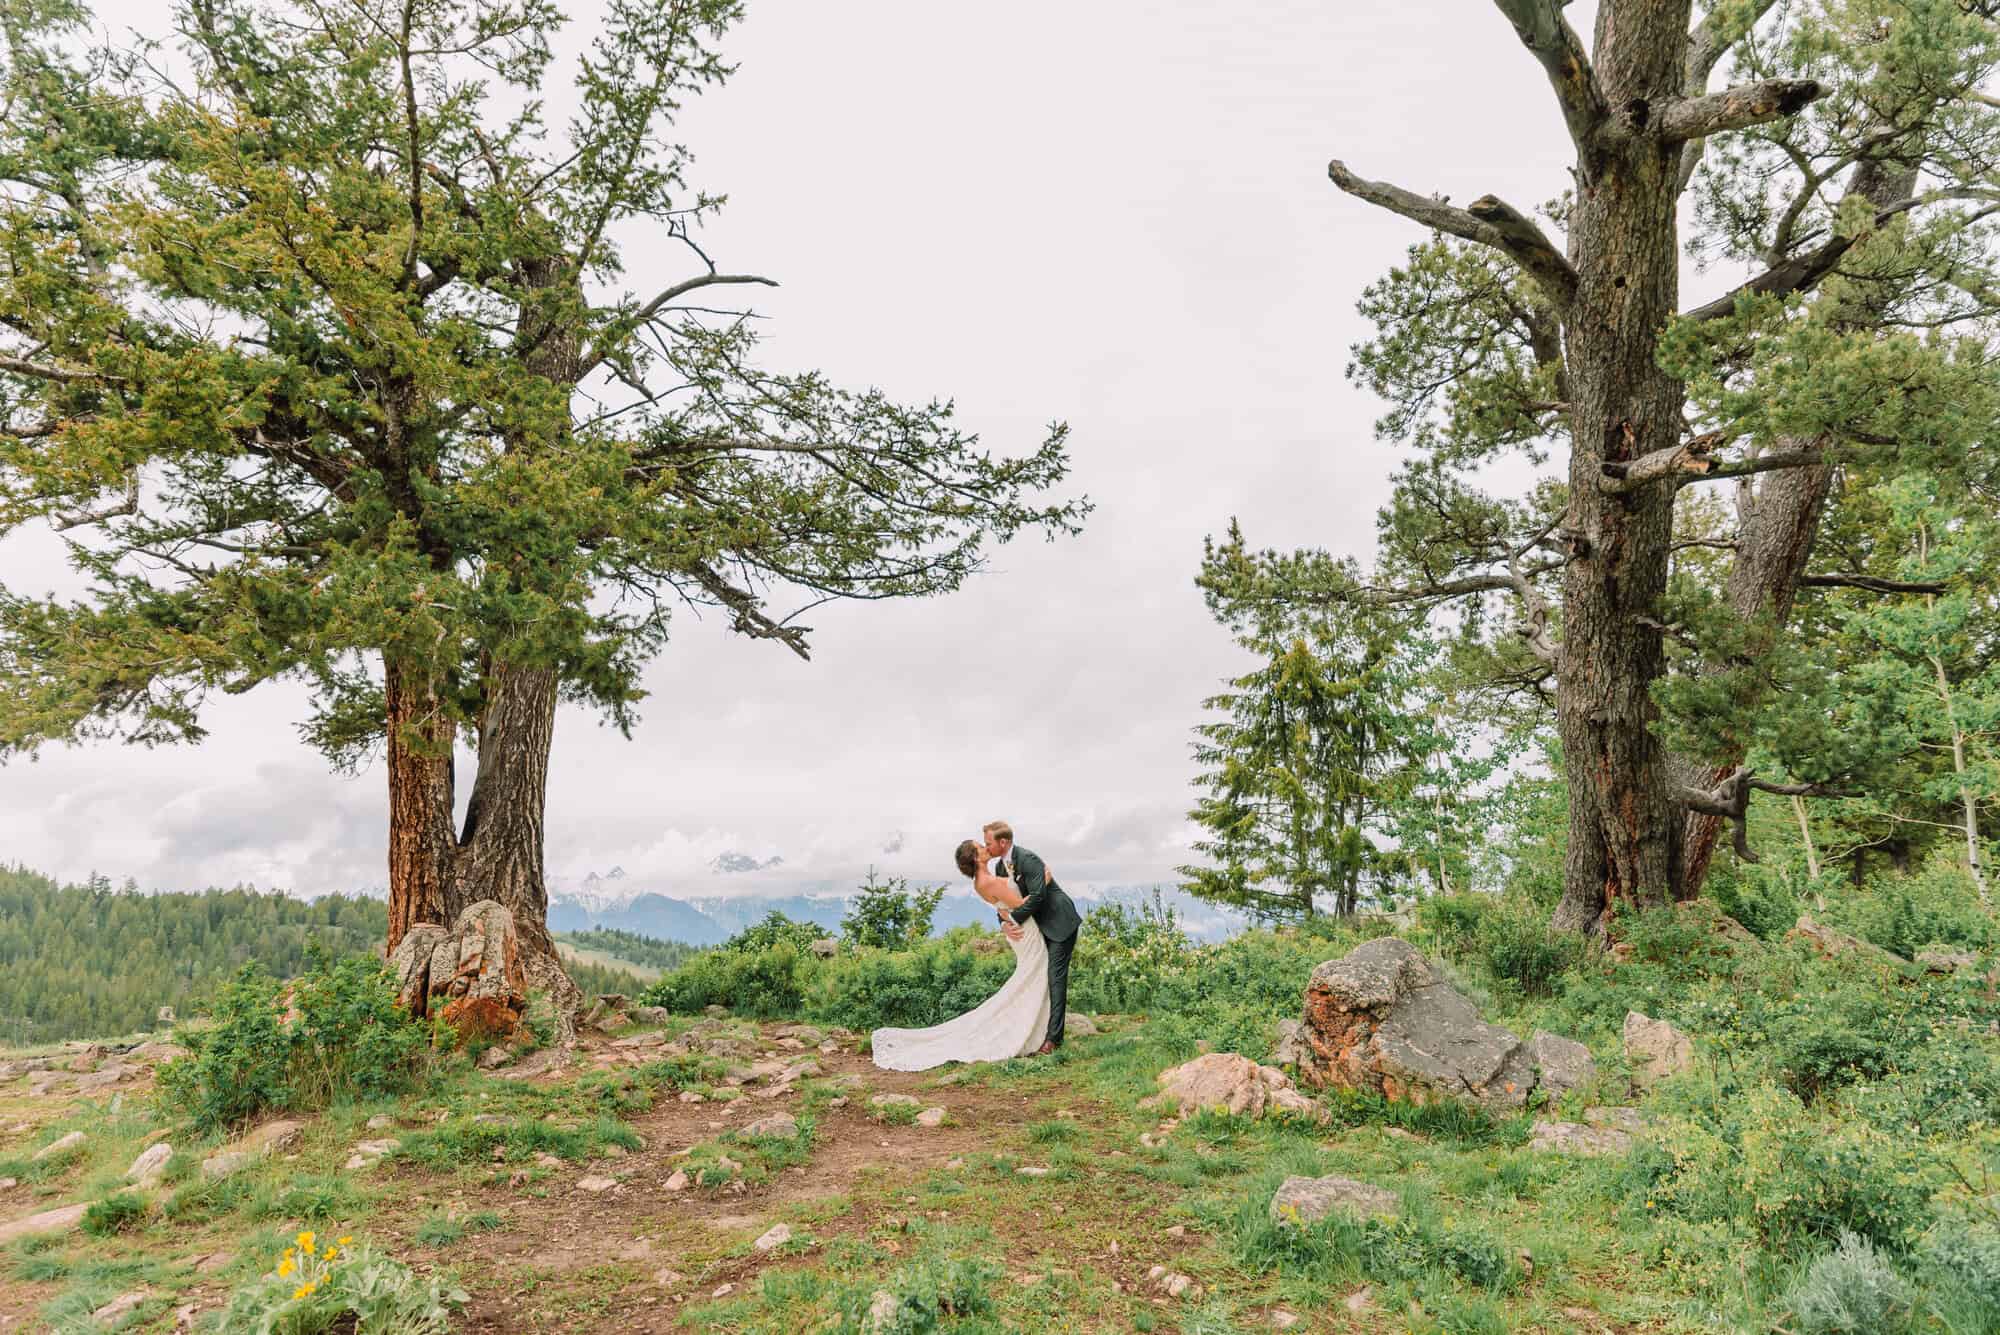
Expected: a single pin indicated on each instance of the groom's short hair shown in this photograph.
(997, 829)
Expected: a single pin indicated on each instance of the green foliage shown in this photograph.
(773, 929)
(443, 1228)
(1935, 905)
(887, 915)
(910, 989)
(335, 1031)
(512, 1140)
(1762, 901)
(764, 981)
(1523, 952)
(927, 1292)
(317, 1289)
(88, 961)
(116, 1213)
(1124, 955)
(1851, 1290)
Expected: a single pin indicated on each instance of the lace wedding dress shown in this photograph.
(1010, 1023)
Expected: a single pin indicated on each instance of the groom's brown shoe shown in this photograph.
(1046, 1050)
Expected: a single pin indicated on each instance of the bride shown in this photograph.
(1010, 1023)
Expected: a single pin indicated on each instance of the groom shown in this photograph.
(1044, 903)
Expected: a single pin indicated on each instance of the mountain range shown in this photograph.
(615, 899)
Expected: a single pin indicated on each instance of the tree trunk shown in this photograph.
(500, 851)
(420, 803)
(1625, 818)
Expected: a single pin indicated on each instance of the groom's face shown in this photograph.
(996, 847)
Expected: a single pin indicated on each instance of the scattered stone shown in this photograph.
(155, 1052)
(894, 1100)
(729, 1166)
(1629, 1120)
(1655, 1050)
(714, 1011)
(105, 1078)
(931, 1118)
(649, 1015)
(1832, 943)
(381, 1122)
(272, 1137)
(777, 1124)
(218, 1166)
(595, 1183)
(184, 1316)
(1233, 1083)
(723, 1290)
(1031, 1171)
(150, 1166)
(1283, 1320)
(882, 1308)
(1078, 1026)
(1577, 1138)
(955, 1164)
(679, 1181)
(1176, 1230)
(496, 1057)
(87, 1058)
(60, 1220)
(1383, 1018)
(1360, 1301)
(120, 1307)
(1178, 1286)
(213, 1262)
(777, 1236)
(56, 1148)
(1302, 1200)
(1940, 959)
(689, 1096)
(1561, 1064)
(838, 1101)
(650, 1039)
(9, 1183)
(668, 1279)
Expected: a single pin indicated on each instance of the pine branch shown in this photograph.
(62, 375)
(1730, 800)
(1869, 583)
(750, 617)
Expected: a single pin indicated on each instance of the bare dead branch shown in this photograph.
(1689, 457)
(1730, 800)
(1489, 222)
(1549, 38)
(62, 375)
(750, 618)
(1737, 108)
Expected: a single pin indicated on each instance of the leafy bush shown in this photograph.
(926, 1293)
(343, 1286)
(115, 1214)
(1852, 1290)
(1451, 923)
(1757, 1159)
(1760, 899)
(888, 915)
(1961, 1275)
(1820, 1052)
(1524, 953)
(335, 1031)
(1949, 1086)
(772, 930)
(1936, 905)
(767, 982)
(909, 989)
(1124, 955)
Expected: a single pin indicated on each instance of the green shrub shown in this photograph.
(927, 1293)
(1523, 953)
(774, 929)
(888, 915)
(1759, 899)
(1936, 905)
(115, 1214)
(1450, 923)
(908, 989)
(1820, 1052)
(1124, 955)
(1852, 1290)
(344, 1036)
(766, 982)
(342, 1286)
(1961, 1276)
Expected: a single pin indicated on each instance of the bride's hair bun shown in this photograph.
(968, 858)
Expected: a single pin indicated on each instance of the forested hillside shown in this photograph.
(88, 960)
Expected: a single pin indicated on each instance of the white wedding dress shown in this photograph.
(1010, 1023)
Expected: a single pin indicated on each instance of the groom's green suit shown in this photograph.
(1044, 904)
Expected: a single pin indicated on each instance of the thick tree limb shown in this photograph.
(1690, 457)
(1764, 463)
(1547, 35)
(129, 505)
(1730, 800)
(1869, 583)
(1737, 108)
(1489, 222)
(1802, 271)
(62, 375)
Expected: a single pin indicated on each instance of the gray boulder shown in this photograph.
(1655, 1050)
(1384, 1018)
(1304, 1200)
(1561, 1064)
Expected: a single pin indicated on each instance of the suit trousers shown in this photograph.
(1059, 953)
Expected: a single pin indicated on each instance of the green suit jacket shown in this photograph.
(1042, 900)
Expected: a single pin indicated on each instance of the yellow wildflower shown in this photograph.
(285, 1267)
(306, 1242)
(347, 1241)
(332, 1252)
(302, 1291)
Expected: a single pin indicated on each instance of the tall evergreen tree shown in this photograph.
(1851, 167)
(325, 365)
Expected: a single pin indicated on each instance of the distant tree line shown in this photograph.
(644, 950)
(91, 960)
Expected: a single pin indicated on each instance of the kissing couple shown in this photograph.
(1025, 1017)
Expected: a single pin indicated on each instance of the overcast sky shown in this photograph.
(1112, 213)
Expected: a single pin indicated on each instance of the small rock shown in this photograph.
(271, 1137)
(1283, 1320)
(931, 1118)
(882, 1307)
(689, 1096)
(54, 1148)
(9, 1183)
(777, 1236)
(1655, 1050)
(955, 1164)
(213, 1262)
(496, 1057)
(1302, 1200)
(1232, 1083)
(668, 1279)
(892, 1100)
(1629, 1120)
(715, 1012)
(679, 1181)
(374, 1149)
(777, 1124)
(1290, 1049)
(649, 1014)
(723, 1290)
(1031, 1172)
(150, 1166)
(120, 1307)
(1577, 1138)
(838, 1101)
(1177, 1231)
(1939, 959)
(1561, 1064)
(650, 1039)
(59, 1220)
(1178, 1286)
(184, 1316)
(595, 1184)
(1078, 1026)
(729, 1165)
(1359, 1301)
(381, 1122)
(543, 1159)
